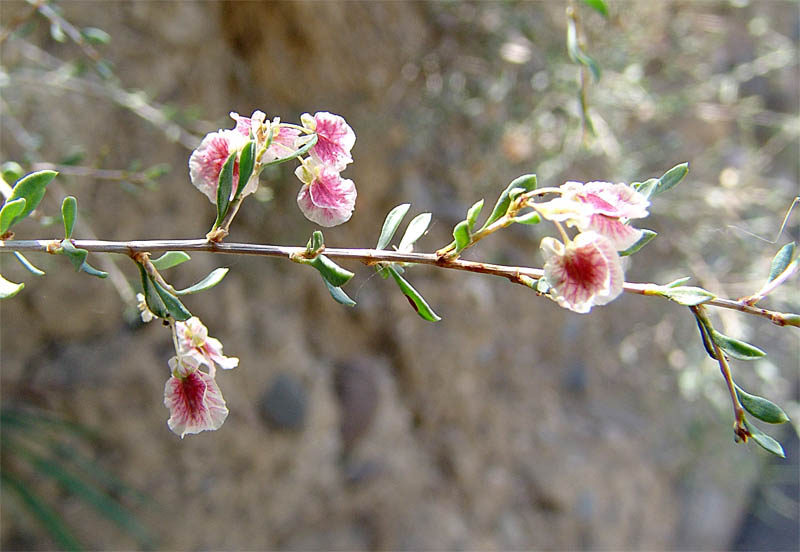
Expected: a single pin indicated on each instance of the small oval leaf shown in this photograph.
(528, 218)
(331, 272)
(779, 263)
(224, 187)
(472, 214)
(689, 296)
(735, 348)
(461, 235)
(9, 289)
(10, 211)
(763, 409)
(526, 183)
(671, 178)
(29, 266)
(414, 298)
(598, 5)
(214, 277)
(32, 187)
(764, 441)
(246, 163)
(391, 224)
(170, 259)
(173, 305)
(69, 209)
(151, 297)
(416, 228)
(646, 188)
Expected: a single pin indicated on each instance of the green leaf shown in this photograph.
(96, 36)
(413, 296)
(597, 5)
(69, 208)
(678, 282)
(78, 259)
(763, 409)
(709, 347)
(316, 243)
(528, 218)
(330, 271)
(416, 228)
(765, 441)
(735, 348)
(246, 163)
(173, 305)
(10, 211)
(779, 263)
(9, 289)
(575, 52)
(11, 171)
(647, 235)
(170, 259)
(461, 235)
(208, 282)
(391, 224)
(32, 187)
(671, 178)
(526, 183)
(472, 214)
(224, 187)
(29, 266)
(151, 296)
(646, 188)
(687, 295)
(339, 295)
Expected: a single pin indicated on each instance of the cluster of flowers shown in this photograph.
(325, 197)
(587, 270)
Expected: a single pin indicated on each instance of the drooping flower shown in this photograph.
(611, 205)
(207, 160)
(193, 398)
(193, 341)
(283, 139)
(335, 139)
(585, 272)
(325, 198)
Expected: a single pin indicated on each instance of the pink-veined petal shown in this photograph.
(206, 161)
(621, 236)
(605, 198)
(335, 139)
(195, 403)
(585, 272)
(329, 200)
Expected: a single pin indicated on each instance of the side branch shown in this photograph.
(366, 256)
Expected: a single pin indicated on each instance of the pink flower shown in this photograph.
(193, 398)
(283, 139)
(193, 341)
(206, 161)
(325, 198)
(612, 205)
(584, 272)
(335, 139)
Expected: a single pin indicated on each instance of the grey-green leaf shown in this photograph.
(763, 409)
(9, 289)
(526, 183)
(10, 211)
(597, 5)
(391, 224)
(69, 209)
(208, 282)
(416, 228)
(29, 266)
(170, 259)
(246, 163)
(78, 259)
(472, 214)
(298, 153)
(671, 178)
(779, 263)
(647, 235)
(32, 187)
(577, 54)
(687, 295)
(224, 187)
(736, 348)
(646, 188)
(151, 296)
(678, 282)
(172, 303)
(414, 298)
(765, 441)
(461, 235)
(339, 295)
(528, 218)
(330, 271)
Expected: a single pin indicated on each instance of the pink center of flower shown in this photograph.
(585, 270)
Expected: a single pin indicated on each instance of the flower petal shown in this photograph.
(329, 200)
(621, 236)
(206, 161)
(335, 139)
(195, 404)
(585, 272)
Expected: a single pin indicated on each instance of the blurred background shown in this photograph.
(510, 424)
